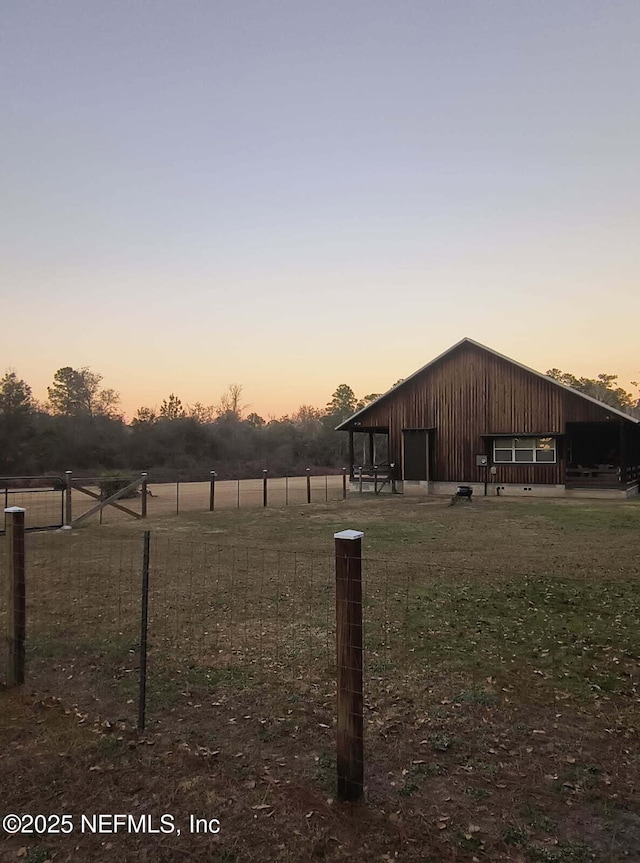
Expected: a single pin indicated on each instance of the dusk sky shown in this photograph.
(291, 195)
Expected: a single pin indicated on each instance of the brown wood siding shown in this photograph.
(469, 393)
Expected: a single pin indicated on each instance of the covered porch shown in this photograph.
(602, 455)
(369, 457)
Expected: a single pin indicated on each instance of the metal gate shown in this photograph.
(41, 496)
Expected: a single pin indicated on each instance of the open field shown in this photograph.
(502, 658)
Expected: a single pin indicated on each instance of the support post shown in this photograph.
(144, 621)
(371, 454)
(350, 728)
(392, 471)
(143, 492)
(308, 485)
(212, 490)
(68, 517)
(16, 611)
(360, 479)
(352, 457)
(375, 479)
(344, 483)
(264, 487)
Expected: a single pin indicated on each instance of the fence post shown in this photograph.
(238, 494)
(143, 492)
(212, 490)
(16, 621)
(350, 730)
(392, 469)
(144, 620)
(286, 491)
(177, 497)
(344, 483)
(264, 487)
(68, 518)
(360, 479)
(326, 488)
(308, 485)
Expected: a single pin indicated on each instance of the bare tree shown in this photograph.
(230, 406)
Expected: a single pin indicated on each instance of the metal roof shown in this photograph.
(469, 341)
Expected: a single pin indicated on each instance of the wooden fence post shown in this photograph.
(144, 626)
(344, 483)
(264, 487)
(143, 492)
(68, 515)
(308, 485)
(350, 731)
(16, 620)
(212, 490)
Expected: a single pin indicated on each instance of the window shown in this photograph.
(524, 450)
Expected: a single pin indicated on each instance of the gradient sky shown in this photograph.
(291, 195)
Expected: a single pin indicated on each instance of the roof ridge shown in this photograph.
(495, 353)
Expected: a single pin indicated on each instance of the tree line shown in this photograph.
(80, 427)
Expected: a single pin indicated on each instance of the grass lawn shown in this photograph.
(502, 666)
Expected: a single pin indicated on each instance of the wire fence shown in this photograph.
(44, 506)
(252, 616)
(488, 686)
(51, 507)
(166, 498)
(235, 648)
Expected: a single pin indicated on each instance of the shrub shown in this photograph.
(113, 481)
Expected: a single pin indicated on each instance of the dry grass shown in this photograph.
(501, 684)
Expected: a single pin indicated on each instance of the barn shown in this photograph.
(475, 417)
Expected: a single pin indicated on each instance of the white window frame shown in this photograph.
(510, 443)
